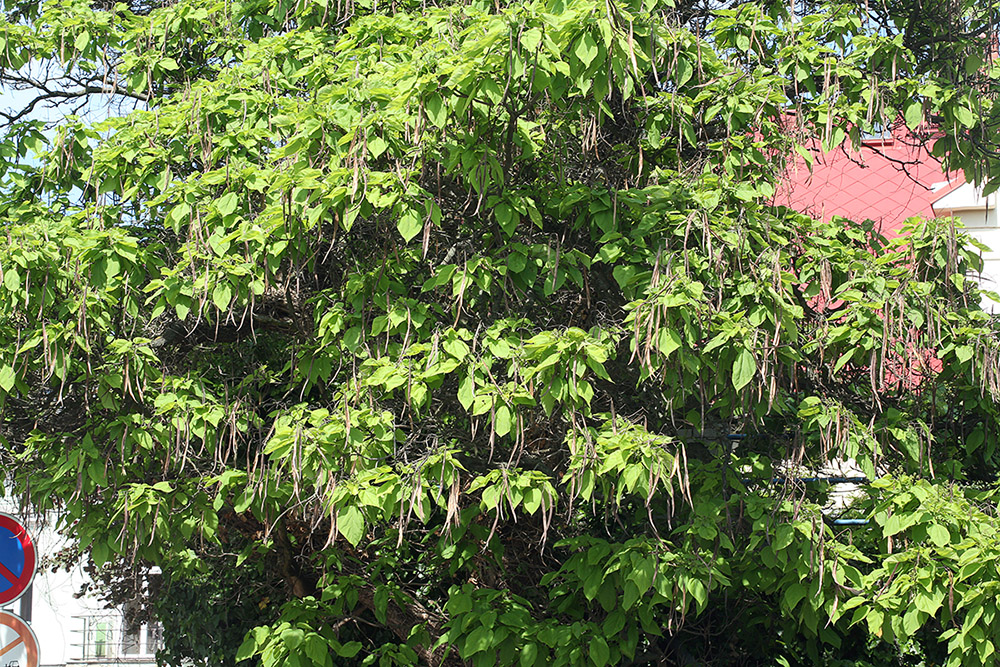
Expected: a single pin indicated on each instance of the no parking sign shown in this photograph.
(17, 560)
(18, 644)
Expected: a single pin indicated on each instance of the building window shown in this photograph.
(110, 636)
(102, 639)
(139, 639)
(154, 637)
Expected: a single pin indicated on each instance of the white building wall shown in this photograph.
(980, 218)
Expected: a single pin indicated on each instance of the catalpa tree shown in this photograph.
(416, 332)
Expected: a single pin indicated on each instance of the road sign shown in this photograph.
(17, 560)
(18, 644)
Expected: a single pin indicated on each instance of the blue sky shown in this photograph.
(15, 100)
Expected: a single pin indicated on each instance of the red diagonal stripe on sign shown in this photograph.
(13, 578)
(7, 574)
(14, 644)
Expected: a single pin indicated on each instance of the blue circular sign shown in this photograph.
(17, 559)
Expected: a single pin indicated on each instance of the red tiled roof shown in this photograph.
(886, 180)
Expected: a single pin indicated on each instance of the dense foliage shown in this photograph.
(400, 332)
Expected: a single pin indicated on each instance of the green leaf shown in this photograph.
(745, 191)
(504, 420)
(377, 146)
(927, 602)
(317, 650)
(965, 116)
(247, 648)
(219, 243)
(642, 573)
(226, 204)
(599, 651)
(222, 295)
(437, 112)
(7, 378)
(100, 552)
(698, 591)
(614, 623)
(807, 156)
(459, 603)
(409, 224)
(893, 525)
(351, 524)
(667, 341)
(532, 500)
(913, 113)
(349, 650)
(516, 262)
(82, 40)
(292, 638)
(179, 215)
(11, 279)
(381, 603)
(939, 535)
(586, 49)
(467, 391)
(684, 71)
(506, 217)
(844, 358)
(531, 38)
(623, 274)
(480, 639)
(529, 654)
(744, 368)
(793, 595)
(911, 622)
